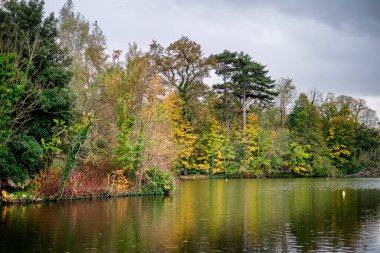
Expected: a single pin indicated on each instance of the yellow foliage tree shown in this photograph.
(300, 159)
(338, 150)
(216, 148)
(184, 132)
(251, 142)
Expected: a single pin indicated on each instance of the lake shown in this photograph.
(238, 215)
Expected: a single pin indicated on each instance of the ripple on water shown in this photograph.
(271, 215)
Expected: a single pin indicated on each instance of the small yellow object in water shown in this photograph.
(343, 194)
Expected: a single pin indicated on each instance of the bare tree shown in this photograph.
(316, 97)
(286, 96)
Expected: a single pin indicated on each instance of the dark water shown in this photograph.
(240, 215)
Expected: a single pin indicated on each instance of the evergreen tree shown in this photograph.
(224, 68)
(251, 83)
(245, 79)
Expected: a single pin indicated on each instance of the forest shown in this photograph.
(76, 120)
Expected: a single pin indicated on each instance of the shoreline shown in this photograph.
(31, 199)
(34, 199)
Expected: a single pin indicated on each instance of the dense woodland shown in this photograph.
(75, 120)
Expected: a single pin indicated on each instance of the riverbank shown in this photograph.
(89, 183)
(365, 173)
(27, 198)
(24, 197)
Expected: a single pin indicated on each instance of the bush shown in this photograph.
(46, 184)
(9, 166)
(322, 167)
(159, 182)
(21, 158)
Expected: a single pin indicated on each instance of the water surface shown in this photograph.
(238, 215)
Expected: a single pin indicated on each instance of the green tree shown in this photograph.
(124, 154)
(305, 122)
(309, 149)
(245, 79)
(340, 141)
(367, 144)
(251, 82)
(224, 68)
(301, 159)
(12, 87)
(351, 133)
(46, 96)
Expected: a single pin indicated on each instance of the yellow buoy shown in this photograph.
(343, 194)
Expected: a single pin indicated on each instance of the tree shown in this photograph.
(126, 90)
(251, 82)
(248, 80)
(218, 154)
(341, 142)
(360, 112)
(286, 94)
(184, 132)
(309, 148)
(224, 68)
(251, 143)
(367, 144)
(329, 108)
(182, 66)
(12, 87)
(85, 44)
(315, 97)
(46, 96)
(125, 155)
(305, 122)
(160, 149)
(351, 132)
(339, 128)
(301, 159)
(77, 143)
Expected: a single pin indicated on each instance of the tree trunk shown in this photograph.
(282, 113)
(226, 110)
(244, 112)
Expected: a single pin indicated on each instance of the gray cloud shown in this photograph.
(333, 46)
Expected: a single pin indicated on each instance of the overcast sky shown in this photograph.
(330, 45)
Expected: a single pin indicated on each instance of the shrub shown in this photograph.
(159, 182)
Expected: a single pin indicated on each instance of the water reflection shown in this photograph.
(207, 216)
